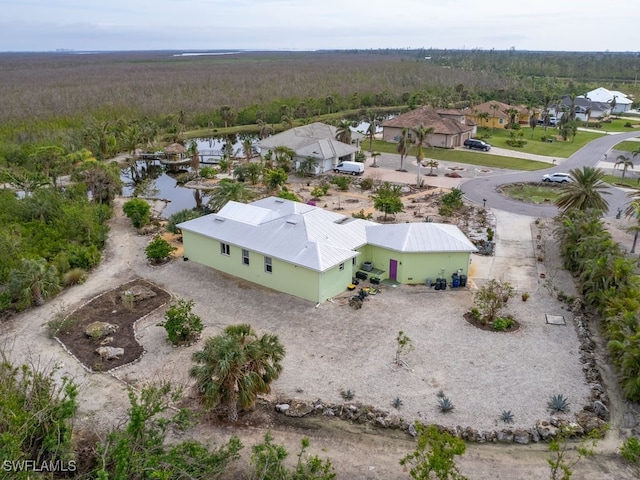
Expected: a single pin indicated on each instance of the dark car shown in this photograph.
(477, 144)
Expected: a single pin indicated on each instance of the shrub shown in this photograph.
(137, 210)
(506, 416)
(74, 276)
(182, 216)
(318, 192)
(367, 183)
(208, 172)
(362, 215)
(180, 323)
(445, 404)
(502, 323)
(288, 195)
(158, 250)
(491, 298)
(341, 182)
(348, 394)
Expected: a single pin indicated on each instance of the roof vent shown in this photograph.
(218, 219)
(279, 200)
(292, 222)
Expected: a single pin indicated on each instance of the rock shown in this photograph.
(137, 293)
(107, 341)
(329, 412)
(298, 409)
(546, 430)
(100, 329)
(521, 437)
(110, 353)
(589, 421)
(535, 435)
(282, 407)
(504, 436)
(412, 430)
(601, 410)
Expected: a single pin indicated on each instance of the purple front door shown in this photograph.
(393, 269)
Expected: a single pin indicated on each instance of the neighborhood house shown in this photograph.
(312, 253)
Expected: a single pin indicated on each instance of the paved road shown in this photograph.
(478, 189)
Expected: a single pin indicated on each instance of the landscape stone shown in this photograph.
(100, 329)
(110, 353)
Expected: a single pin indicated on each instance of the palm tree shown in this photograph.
(195, 156)
(421, 134)
(34, 281)
(403, 147)
(375, 156)
(484, 118)
(495, 107)
(264, 130)
(227, 114)
(226, 191)
(343, 133)
(235, 367)
(584, 192)
(284, 157)
(625, 162)
(634, 211)
(254, 170)
(373, 121)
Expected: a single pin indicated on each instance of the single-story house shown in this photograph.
(451, 127)
(498, 115)
(622, 102)
(316, 141)
(584, 107)
(314, 254)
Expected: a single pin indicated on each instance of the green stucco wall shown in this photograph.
(415, 268)
(285, 277)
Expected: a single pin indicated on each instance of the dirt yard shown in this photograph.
(333, 347)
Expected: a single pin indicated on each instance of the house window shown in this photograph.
(268, 267)
(341, 267)
(501, 121)
(225, 249)
(353, 261)
(245, 257)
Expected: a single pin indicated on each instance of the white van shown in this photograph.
(354, 168)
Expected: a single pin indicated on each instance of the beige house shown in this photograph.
(498, 115)
(451, 127)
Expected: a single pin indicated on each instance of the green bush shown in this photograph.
(137, 210)
(502, 323)
(181, 324)
(367, 183)
(341, 182)
(208, 172)
(158, 250)
(74, 276)
(182, 216)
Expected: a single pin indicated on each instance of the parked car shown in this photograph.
(354, 168)
(557, 177)
(553, 121)
(477, 144)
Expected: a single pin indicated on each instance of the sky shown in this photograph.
(90, 25)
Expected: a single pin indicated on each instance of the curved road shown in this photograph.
(478, 189)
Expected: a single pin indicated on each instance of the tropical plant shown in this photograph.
(33, 282)
(624, 162)
(181, 324)
(403, 146)
(388, 199)
(506, 416)
(229, 190)
(421, 134)
(141, 446)
(630, 451)
(37, 408)
(396, 403)
(404, 345)
(343, 133)
(558, 403)
(158, 250)
(491, 298)
(584, 191)
(373, 120)
(235, 366)
(274, 178)
(137, 210)
(341, 182)
(182, 216)
(561, 461)
(267, 463)
(435, 454)
(288, 195)
(445, 404)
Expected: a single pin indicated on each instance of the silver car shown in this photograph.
(557, 177)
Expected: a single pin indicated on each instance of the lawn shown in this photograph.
(535, 145)
(537, 193)
(628, 146)
(616, 125)
(463, 156)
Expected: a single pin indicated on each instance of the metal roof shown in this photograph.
(419, 237)
(315, 238)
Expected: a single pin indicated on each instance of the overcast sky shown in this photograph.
(577, 25)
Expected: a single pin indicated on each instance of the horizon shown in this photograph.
(313, 25)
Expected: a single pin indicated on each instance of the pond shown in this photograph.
(149, 179)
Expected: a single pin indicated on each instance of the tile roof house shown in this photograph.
(313, 253)
(497, 114)
(451, 127)
(317, 141)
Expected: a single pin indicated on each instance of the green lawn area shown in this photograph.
(616, 125)
(630, 180)
(462, 156)
(628, 146)
(535, 145)
(531, 192)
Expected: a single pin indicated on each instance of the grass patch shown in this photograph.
(537, 193)
(627, 146)
(616, 125)
(463, 156)
(558, 148)
(630, 180)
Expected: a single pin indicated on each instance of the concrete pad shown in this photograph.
(555, 319)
